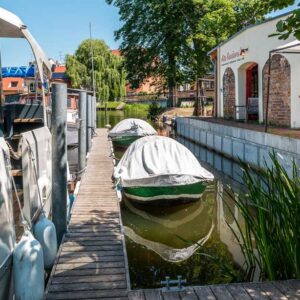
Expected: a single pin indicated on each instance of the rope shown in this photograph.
(15, 155)
(24, 222)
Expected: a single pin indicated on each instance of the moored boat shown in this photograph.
(129, 130)
(160, 170)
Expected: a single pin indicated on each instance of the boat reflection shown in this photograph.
(174, 233)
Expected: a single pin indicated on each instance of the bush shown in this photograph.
(154, 110)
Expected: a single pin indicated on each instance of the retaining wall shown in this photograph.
(250, 146)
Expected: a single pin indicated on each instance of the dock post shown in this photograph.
(82, 134)
(88, 123)
(94, 112)
(59, 159)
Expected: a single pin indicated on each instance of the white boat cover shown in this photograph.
(7, 231)
(39, 142)
(159, 161)
(132, 127)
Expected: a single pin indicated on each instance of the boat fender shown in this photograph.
(28, 269)
(45, 233)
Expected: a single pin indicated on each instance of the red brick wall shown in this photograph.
(279, 112)
(229, 94)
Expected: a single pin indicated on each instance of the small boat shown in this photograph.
(128, 131)
(160, 170)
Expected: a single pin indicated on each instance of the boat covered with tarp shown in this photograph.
(156, 168)
(129, 130)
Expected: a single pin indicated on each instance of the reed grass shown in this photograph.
(270, 239)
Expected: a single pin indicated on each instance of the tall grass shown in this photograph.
(270, 240)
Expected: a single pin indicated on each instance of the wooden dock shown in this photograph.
(278, 290)
(92, 263)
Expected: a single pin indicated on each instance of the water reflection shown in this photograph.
(192, 240)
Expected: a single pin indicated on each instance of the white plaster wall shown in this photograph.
(258, 42)
(294, 60)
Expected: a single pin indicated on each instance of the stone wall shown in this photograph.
(279, 112)
(229, 94)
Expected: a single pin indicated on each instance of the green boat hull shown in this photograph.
(165, 194)
(124, 142)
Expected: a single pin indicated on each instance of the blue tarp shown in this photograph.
(24, 72)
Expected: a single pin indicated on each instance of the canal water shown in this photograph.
(194, 240)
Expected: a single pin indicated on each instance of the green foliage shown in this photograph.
(289, 26)
(137, 108)
(110, 76)
(271, 238)
(170, 39)
(154, 110)
(111, 104)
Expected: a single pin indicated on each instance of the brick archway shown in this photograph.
(229, 94)
(280, 91)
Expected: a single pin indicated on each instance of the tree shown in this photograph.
(110, 75)
(154, 39)
(169, 39)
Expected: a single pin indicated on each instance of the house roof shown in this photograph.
(116, 52)
(59, 69)
(246, 28)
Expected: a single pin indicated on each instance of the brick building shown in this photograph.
(242, 69)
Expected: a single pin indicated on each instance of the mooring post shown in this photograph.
(82, 134)
(94, 112)
(88, 123)
(59, 159)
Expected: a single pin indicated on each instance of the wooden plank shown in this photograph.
(97, 254)
(89, 286)
(170, 296)
(88, 294)
(204, 292)
(153, 295)
(30, 120)
(77, 248)
(90, 259)
(272, 292)
(136, 295)
(255, 292)
(93, 243)
(188, 294)
(221, 293)
(87, 279)
(16, 173)
(84, 272)
(238, 292)
(92, 265)
(291, 289)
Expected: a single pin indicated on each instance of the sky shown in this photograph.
(60, 25)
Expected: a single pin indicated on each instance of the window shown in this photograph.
(14, 84)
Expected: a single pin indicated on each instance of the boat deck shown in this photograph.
(91, 262)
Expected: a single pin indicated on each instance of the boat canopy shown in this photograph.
(159, 161)
(23, 72)
(132, 127)
(11, 26)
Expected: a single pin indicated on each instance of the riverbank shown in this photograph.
(173, 112)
